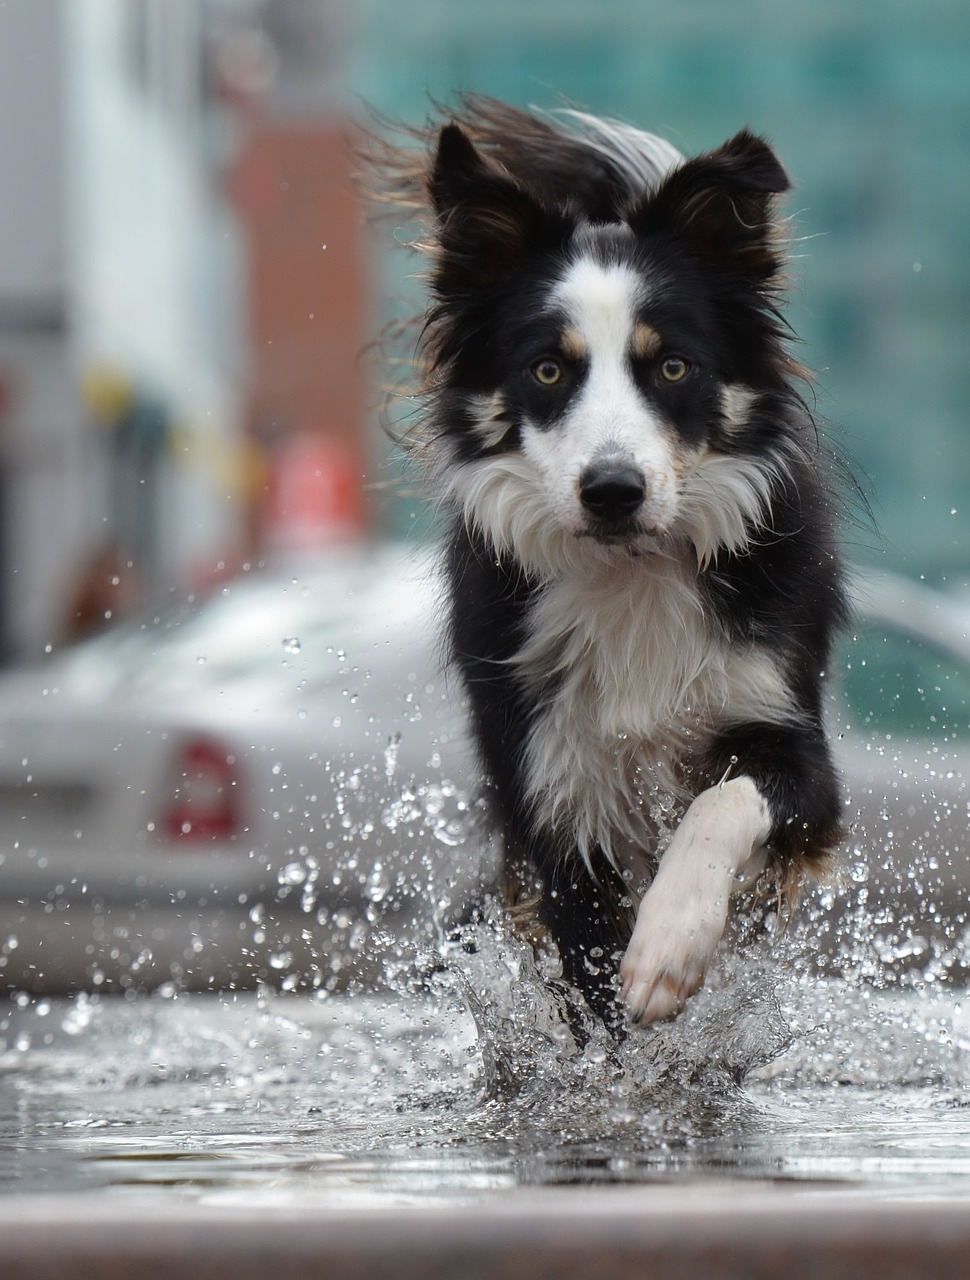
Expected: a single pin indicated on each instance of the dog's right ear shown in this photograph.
(486, 220)
(458, 171)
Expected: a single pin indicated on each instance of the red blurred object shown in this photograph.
(314, 494)
(308, 399)
(207, 804)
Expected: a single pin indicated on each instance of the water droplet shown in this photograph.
(292, 644)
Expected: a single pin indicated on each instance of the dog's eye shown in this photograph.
(547, 372)
(674, 368)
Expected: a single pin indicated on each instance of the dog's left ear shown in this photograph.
(486, 219)
(722, 204)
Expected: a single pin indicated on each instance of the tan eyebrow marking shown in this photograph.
(573, 345)
(647, 342)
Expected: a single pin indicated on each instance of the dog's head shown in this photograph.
(606, 366)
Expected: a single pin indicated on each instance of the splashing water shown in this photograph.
(457, 1047)
(476, 1068)
(822, 1000)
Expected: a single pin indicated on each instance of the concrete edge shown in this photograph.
(651, 1233)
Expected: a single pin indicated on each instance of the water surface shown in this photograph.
(463, 1080)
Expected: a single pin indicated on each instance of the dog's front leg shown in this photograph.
(683, 914)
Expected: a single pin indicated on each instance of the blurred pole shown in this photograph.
(305, 268)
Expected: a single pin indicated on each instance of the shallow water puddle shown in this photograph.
(469, 1088)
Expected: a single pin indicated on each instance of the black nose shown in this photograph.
(612, 491)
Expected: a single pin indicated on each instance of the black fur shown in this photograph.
(513, 197)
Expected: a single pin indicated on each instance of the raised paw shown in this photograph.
(668, 955)
(684, 912)
(655, 989)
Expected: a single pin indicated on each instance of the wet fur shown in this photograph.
(645, 685)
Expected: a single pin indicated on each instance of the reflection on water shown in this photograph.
(464, 1080)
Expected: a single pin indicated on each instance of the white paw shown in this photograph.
(684, 912)
(668, 956)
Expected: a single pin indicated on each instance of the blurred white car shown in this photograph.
(272, 784)
(268, 784)
(901, 721)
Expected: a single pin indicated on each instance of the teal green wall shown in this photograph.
(868, 103)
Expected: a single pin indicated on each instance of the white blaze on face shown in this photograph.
(607, 418)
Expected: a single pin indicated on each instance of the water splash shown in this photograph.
(498, 1051)
(781, 1007)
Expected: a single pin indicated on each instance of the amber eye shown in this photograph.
(547, 372)
(674, 369)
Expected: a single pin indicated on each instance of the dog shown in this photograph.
(642, 555)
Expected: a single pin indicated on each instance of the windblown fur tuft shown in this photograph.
(564, 157)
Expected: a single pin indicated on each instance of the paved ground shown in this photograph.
(720, 1233)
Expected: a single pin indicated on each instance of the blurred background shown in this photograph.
(258, 778)
(188, 284)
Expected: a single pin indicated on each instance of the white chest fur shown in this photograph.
(639, 672)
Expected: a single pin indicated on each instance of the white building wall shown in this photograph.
(116, 255)
(43, 473)
(32, 209)
(151, 245)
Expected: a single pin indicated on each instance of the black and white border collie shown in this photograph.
(644, 581)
